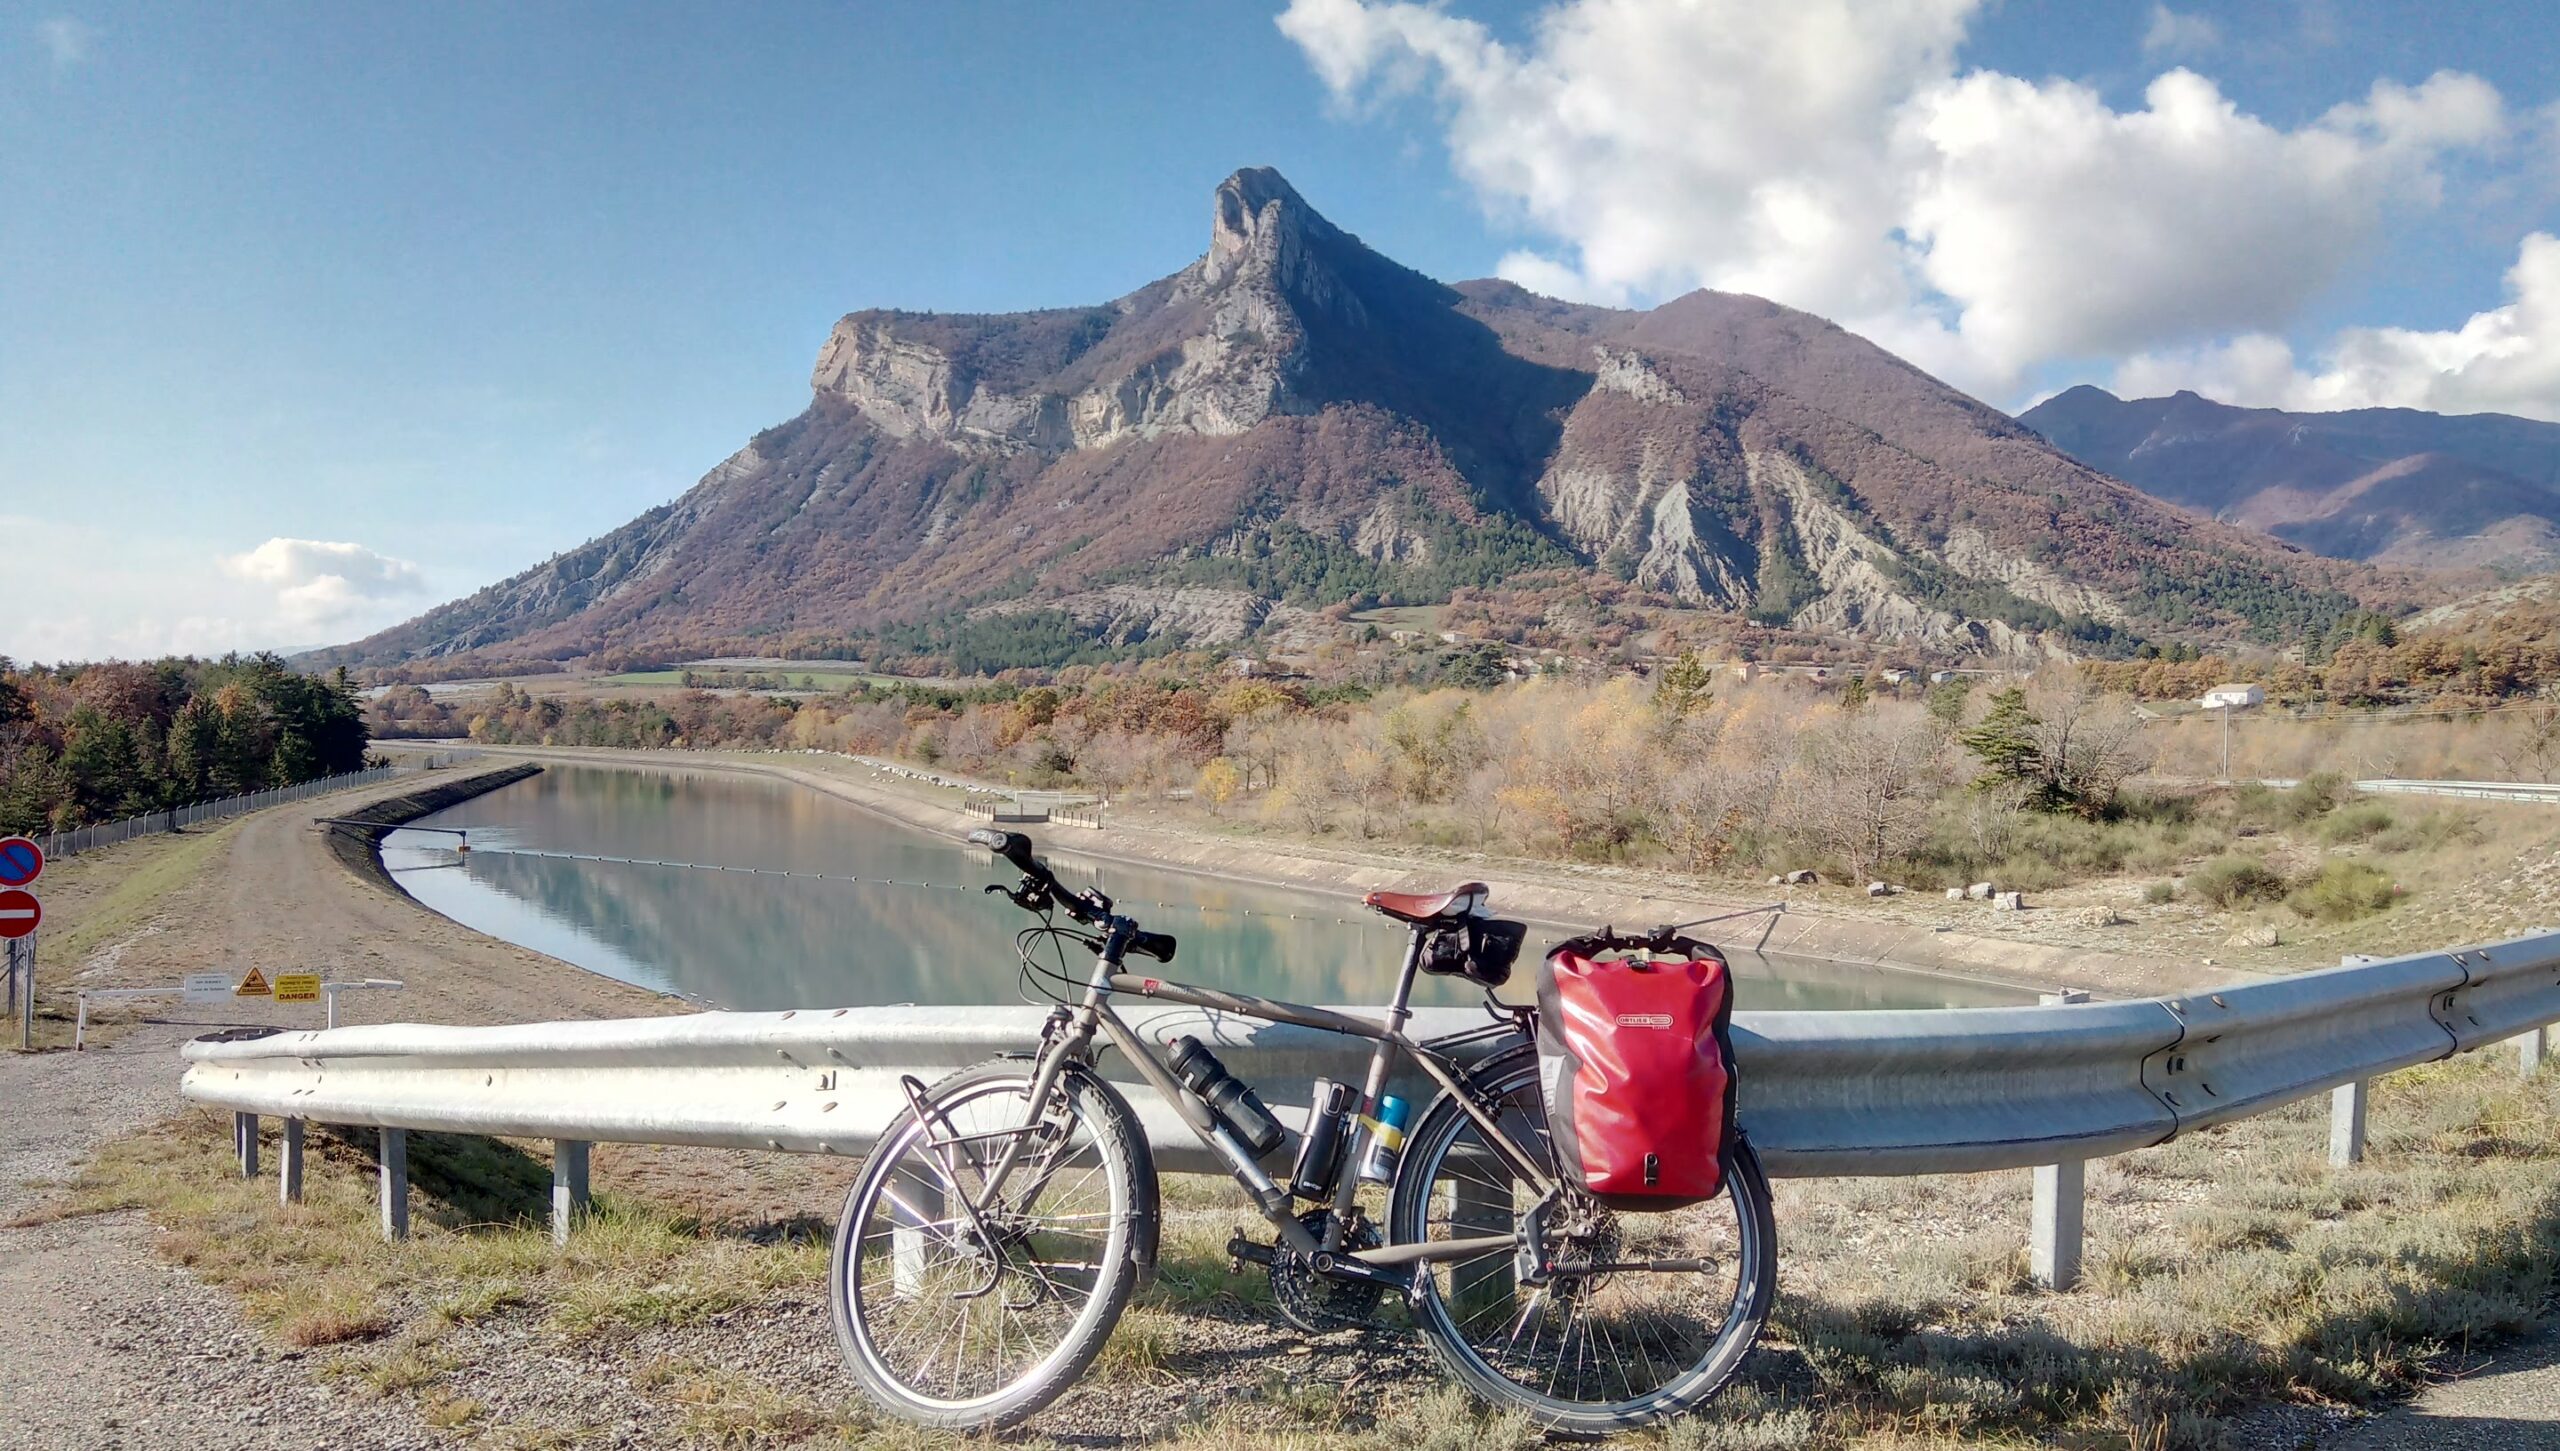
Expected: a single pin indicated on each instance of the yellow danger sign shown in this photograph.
(297, 987)
(253, 986)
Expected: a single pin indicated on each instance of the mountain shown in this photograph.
(2391, 485)
(1294, 420)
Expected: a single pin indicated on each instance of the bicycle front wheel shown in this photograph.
(1647, 1315)
(964, 1309)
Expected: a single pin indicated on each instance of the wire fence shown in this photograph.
(107, 833)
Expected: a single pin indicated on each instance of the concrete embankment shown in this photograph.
(356, 837)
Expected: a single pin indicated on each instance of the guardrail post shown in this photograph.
(1481, 1208)
(244, 1142)
(289, 1163)
(2346, 1123)
(568, 1185)
(395, 1183)
(2060, 1215)
(2055, 1237)
(2529, 1053)
(911, 1235)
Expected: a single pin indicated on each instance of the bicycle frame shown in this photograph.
(1073, 1039)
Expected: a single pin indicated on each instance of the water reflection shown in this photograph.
(741, 940)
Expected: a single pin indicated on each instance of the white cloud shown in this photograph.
(321, 584)
(2175, 33)
(89, 592)
(2504, 360)
(1829, 155)
(67, 40)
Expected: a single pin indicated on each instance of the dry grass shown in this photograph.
(94, 901)
(2225, 1269)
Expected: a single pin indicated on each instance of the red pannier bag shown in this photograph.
(1635, 1055)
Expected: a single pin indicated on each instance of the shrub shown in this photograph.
(2435, 829)
(2311, 798)
(2236, 881)
(2160, 893)
(2360, 822)
(2344, 891)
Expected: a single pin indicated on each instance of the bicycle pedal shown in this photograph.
(1243, 1251)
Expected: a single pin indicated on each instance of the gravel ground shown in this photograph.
(2506, 1402)
(130, 1351)
(101, 1342)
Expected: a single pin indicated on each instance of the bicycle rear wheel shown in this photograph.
(1585, 1353)
(964, 1311)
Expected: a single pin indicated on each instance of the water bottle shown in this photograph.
(1386, 1139)
(1320, 1149)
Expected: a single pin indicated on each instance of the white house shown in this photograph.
(2233, 697)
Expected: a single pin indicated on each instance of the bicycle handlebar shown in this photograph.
(1089, 907)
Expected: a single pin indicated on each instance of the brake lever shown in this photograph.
(1030, 896)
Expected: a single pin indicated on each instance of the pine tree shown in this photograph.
(2004, 741)
(1683, 689)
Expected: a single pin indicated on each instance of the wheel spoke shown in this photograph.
(950, 1298)
(1632, 1342)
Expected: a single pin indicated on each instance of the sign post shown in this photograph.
(21, 862)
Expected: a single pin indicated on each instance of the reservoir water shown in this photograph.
(918, 929)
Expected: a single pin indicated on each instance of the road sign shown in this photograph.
(19, 913)
(206, 987)
(21, 861)
(253, 986)
(297, 987)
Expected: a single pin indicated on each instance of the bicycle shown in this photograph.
(1005, 1216)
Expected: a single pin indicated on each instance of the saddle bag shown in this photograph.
(1635, 1056)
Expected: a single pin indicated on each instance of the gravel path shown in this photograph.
(102, 1343)
(2506, 1402)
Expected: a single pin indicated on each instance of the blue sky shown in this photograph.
(311, 316)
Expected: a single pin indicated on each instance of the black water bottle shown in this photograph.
(1320, 1150)
(1232, 1102)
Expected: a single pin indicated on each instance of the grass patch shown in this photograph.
(98, 899)
(2236, 880)
(138, 874)
(2343, 891)
(2361, 822)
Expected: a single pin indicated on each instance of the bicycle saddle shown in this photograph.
(1430, 908)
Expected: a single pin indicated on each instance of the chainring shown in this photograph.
(1313, 1303)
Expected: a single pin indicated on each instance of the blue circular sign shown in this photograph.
(20, 862)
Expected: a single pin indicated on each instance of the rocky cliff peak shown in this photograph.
(1256, 220)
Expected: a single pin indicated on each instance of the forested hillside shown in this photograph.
(86, 743)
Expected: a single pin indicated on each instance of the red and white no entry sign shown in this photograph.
(19, 913)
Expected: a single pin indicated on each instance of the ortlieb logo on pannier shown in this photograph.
(1635, 1055)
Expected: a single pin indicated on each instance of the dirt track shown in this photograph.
(102, 1343)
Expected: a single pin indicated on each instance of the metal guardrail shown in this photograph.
(107, 833)
(2474, 790)
(1927, 1091)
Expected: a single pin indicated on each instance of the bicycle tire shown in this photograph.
(863, 1287)
(1512, 1079)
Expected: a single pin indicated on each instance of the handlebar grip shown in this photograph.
(1013, 846)
(1158, 945)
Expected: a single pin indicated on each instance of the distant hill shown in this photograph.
(2392, 485)
(1294, 421)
